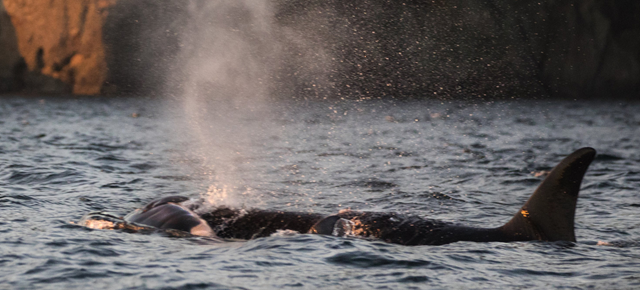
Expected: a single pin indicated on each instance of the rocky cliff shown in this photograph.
(361, 48)
(60, 44)
(10, 58)
(562, 48)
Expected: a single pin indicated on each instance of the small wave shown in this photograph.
(144, 166)
(372, 184)
(50, 263)
(174, 178)
(272, 264)
(122, 184)
(84, 251)
(23, 177)
(70, 274)
(362, 259)
(17, 196)
(347, 154)
(523, 181)
(439, 195)
(57, 243)
(414, 167)
(608, 157)
(16, 199)
(105, 147)
(203, 285)
(413, 279)
(529, 272)
(111, 157)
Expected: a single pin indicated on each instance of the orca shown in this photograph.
(548, 215)
(168, 213)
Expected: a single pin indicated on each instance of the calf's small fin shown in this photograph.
(165, 200)
(549, 213)
(325, 226)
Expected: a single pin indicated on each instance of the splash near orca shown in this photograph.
(548, 215)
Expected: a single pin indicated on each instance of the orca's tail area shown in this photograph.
(549, 213)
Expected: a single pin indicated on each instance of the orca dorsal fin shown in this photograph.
(549, 213)
(160, 201)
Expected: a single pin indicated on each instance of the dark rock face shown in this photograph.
(597, 52)
(357, 48)
(10, 60)
(574, 49)
(142, 40)
(414, 48)
(11, 63)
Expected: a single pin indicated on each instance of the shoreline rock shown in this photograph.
(61, 45)
(356, 48)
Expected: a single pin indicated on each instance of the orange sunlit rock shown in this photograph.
(61, 40)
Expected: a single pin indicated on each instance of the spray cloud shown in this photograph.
(227, 51)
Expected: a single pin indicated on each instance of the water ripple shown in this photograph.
(362, 259)
(465, 162)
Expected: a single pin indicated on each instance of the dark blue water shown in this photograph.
(473, 163)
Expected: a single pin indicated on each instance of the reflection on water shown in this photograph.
(454, 161)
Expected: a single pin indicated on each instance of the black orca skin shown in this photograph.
(389, 227)
(548, 215)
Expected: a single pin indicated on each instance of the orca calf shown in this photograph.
(548, 215)
(167, 213)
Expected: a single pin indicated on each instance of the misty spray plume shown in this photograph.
(227, 50)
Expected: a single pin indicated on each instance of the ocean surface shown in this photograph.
(473, 163)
